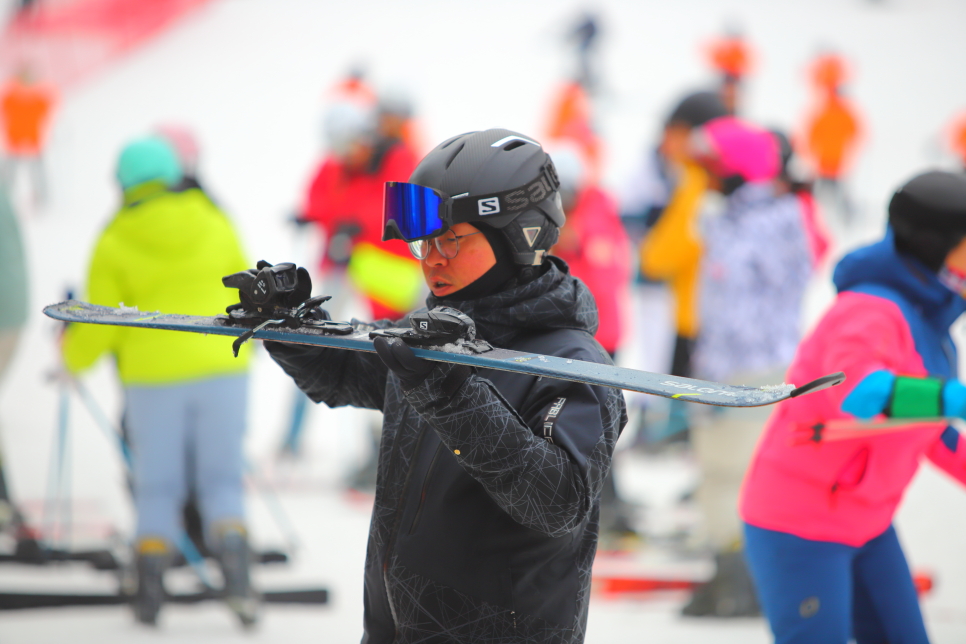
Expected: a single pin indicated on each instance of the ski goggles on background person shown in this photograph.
(412, 212)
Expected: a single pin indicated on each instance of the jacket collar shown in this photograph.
(142, 192)
(880, 263)
(555, 300)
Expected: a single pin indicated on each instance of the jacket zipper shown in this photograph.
(422, 494)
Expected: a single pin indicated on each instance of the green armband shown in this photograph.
(916, 398)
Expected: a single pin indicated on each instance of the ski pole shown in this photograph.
(55, 477)
(184, 545)
(103, 422)
(274, 506)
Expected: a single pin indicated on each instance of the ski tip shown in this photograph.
(818, 384)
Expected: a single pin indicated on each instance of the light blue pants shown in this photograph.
(187, 436)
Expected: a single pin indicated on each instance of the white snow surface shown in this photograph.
(250, 75)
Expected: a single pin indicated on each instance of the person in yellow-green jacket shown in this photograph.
(185, 396)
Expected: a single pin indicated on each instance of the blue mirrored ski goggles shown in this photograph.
(412, 212)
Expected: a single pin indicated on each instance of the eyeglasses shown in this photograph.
(448, 245)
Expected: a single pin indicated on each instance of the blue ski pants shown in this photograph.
(827, 593)
(183, 435)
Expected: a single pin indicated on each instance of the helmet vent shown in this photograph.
(513, 145)
(453, 156)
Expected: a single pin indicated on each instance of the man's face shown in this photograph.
(475, 257)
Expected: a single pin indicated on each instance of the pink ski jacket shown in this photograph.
(891, 313)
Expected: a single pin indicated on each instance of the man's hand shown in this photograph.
(401, 360)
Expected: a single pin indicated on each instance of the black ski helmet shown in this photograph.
(696, 109)
(499, 179)
(928, 216)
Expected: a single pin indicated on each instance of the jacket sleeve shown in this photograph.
(865, 334)
(335, 377)
(543, 464)
(949, 454)
(84, 344)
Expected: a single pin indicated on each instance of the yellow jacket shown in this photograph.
(671, 251)
(164, 251)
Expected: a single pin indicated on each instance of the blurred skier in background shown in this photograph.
(957, 139)
(596, 249)
(366, 148)
(791, 180)
(594, 244)
(395, 120)
(585, 36)
(733, 58)
(345, 200)
(670, 251)
(755, 267)
(26, 106)
(185, 398)
(831, 133)
(185, 145)
(570, 121)
(818, 500)
(13, 317)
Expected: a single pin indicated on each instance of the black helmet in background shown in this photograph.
(696, 109)
(928, 216)
(502, 182)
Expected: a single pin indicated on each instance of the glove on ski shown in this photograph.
(413, 371)
(401, 360)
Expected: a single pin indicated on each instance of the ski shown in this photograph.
(444, 347)
(20, 601)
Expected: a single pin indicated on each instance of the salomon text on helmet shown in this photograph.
(496, 178)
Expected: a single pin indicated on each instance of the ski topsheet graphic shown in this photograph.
(445, 346)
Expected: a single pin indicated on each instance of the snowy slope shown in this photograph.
(249, 76)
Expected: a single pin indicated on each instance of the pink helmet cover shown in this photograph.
(743, 149)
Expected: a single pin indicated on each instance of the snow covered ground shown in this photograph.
(250, 75)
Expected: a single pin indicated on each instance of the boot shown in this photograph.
(730, 593)
(235, 558)
(152, 558)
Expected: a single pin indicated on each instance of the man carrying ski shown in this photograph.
(484, 527)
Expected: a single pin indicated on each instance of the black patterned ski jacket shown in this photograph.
(484, 527)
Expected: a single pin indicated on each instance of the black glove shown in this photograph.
(447, 377)
(401, 360)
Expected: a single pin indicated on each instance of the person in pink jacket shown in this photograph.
(594, 244)
(819, 498)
